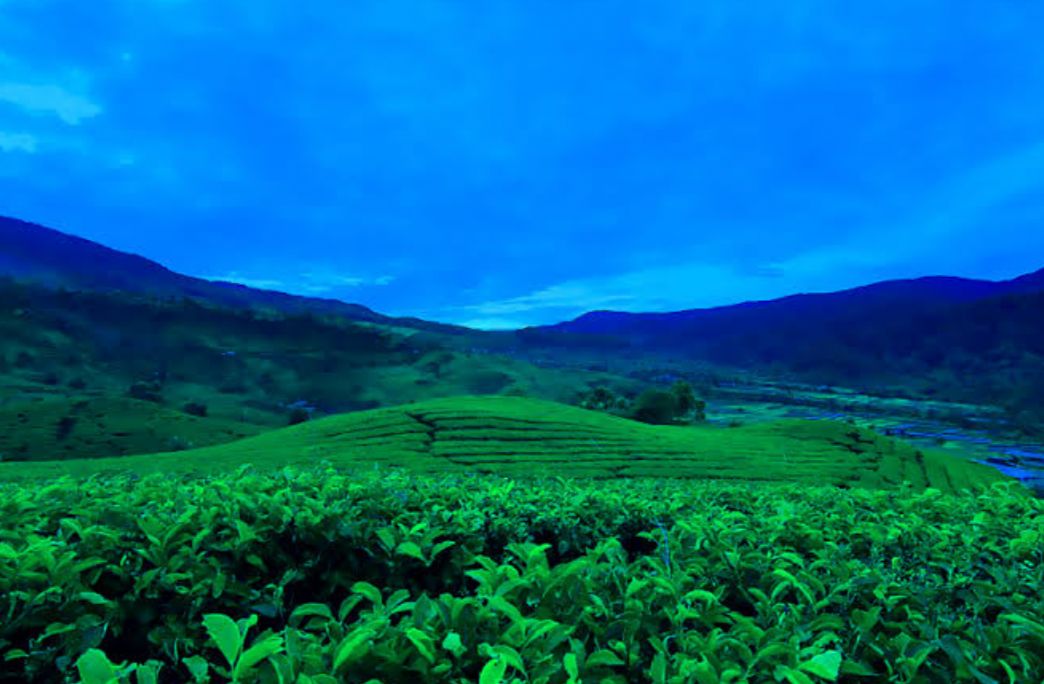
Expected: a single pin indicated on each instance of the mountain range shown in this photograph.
(954, 337)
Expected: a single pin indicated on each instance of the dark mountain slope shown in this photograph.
(35, 253)
(957, 338)
(888, 299)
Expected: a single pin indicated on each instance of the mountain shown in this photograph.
(954, 338)
(34, 253)
(862, 304)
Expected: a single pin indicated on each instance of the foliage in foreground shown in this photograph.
(314, 575)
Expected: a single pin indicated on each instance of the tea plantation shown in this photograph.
(524, 437)
(388, 546)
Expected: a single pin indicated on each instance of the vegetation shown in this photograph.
(90, 427)
(311, 575)
(415, 537)
(240, 366)
(985, 347)
(678, 405)
(527, 437)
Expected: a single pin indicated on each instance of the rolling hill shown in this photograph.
(91, 427)
(525, 437)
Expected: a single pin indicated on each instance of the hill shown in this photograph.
(89, 427)
(949, 337)
(526, 437)
(35, 253)
(242, 365)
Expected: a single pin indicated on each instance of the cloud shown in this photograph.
(310, 283)
(50, 99)
(18, 142)
(239, 279)
(493, 324)
(669, 288)
(569, 295)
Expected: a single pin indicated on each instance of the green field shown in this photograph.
(311, 575)
(506, 540)
(526, 437)
(92, 427)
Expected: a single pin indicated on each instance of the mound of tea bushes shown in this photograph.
(523, 438)
(321, 576)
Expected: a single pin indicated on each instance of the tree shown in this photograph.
(656, 407)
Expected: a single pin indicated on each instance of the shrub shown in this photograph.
(323, 576)
(64, 428)
(146, 391)
(195, 408)
(656, 407)
(298, 415)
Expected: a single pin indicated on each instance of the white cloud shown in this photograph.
(493, 324)
(239, 279)
(585, 294)
(17, 142)
(50, 99)
(311, 283)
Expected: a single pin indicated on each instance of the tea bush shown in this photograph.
(316, 575)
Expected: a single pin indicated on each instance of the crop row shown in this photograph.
(318, 576)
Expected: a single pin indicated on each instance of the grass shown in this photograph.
(525, 437)
(246, 366)
(89, 427)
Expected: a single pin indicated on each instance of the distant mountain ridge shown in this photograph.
(964, 339)
(927, 292)
(35, 253)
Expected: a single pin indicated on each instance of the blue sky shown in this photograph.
(509, 163)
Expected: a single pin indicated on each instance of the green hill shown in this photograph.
(525, 437)
(243, 365)
(89, 427)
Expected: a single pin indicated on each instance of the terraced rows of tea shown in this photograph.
(524, 437)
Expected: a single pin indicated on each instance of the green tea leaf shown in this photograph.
(148, 673)
(424, 643)
(198, 667)
(94, 598)
(454, 645)
(368, 591)
(225, 633)
(510, 656)
(792, 676)
(308, 610)
(603, 658)
(1027, 625)
(411, 549)
(493, 672)
(571, 667)
(825, 665)
(94, 668)
(352, 647)
(260, 650)
(659, 669)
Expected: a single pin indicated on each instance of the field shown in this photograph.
(504, 539)
(314, 575)
(524, 437)
(91, 427)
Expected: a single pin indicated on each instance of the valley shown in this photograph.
(317, 493)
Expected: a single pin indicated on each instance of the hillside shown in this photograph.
(35, 253)
(525, 437)
(950, 337)
(243, 366)
(90, 427)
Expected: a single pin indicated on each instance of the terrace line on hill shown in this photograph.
(526, 437)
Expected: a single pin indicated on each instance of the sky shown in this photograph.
(501, 164)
